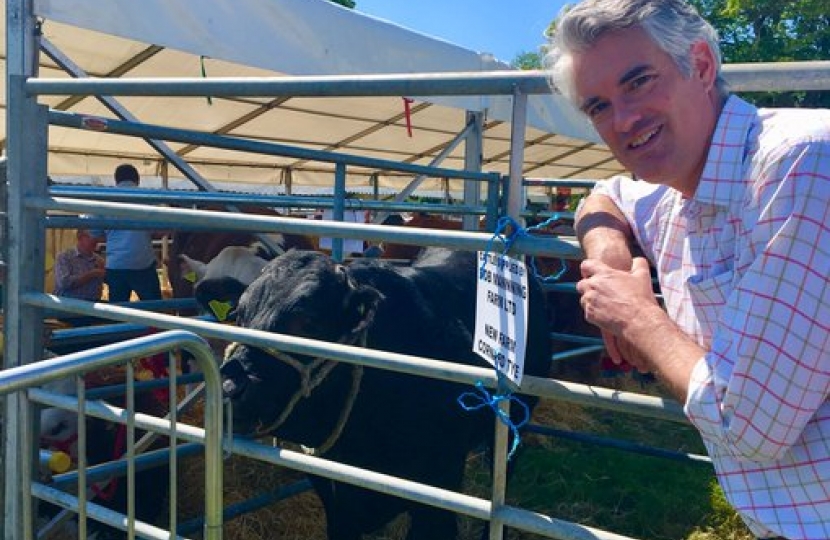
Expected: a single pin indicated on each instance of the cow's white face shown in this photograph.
(58, 426)
(218, 283)
(238, 262)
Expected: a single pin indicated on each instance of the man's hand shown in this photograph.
(612, 300)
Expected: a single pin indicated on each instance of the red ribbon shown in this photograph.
(408, 114)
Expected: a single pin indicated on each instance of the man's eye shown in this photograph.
(641, 81)
(595, 110)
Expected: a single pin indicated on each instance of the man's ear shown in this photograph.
(704, 64)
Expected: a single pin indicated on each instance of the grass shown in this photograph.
(628, 493)
(643, 497)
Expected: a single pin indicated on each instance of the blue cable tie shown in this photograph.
(563, 263)
(516, 232)
(485, 399)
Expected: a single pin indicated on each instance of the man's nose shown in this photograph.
(626, 115)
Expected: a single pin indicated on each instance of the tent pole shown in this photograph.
(515, 189)
(473, 151)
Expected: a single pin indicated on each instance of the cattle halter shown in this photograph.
(312, 376)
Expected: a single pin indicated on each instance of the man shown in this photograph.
(79, 271)
(131, 261)
(733, 211)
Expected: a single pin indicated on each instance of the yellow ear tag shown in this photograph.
(220, 309)
(190, 276)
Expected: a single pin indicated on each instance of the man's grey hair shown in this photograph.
(673, 25)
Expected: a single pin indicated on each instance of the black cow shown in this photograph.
(406, 426)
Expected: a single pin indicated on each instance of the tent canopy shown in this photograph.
(273, 38)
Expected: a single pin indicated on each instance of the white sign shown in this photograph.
(501, 313)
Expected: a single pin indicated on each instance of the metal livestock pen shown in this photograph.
(30, 207)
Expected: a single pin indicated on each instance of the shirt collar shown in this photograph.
(83, 255)
(723, 177)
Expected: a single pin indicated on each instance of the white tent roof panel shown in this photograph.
(271, 38)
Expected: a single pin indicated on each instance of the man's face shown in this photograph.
(657, 123)
(86, 243)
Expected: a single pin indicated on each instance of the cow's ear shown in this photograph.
(188, 265)
(360, 308)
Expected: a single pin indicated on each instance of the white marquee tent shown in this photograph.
(273, 38)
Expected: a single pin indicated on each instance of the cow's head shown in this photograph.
(303, 294)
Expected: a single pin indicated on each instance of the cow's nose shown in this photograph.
(234, 378)
(233, 387)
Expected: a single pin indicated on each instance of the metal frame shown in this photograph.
(14, 381)
(29, 204)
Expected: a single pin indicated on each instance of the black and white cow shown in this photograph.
(403, 425)
(224, 278)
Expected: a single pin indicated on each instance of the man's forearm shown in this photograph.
(604, 233)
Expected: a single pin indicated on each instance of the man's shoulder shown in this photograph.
(796, 125)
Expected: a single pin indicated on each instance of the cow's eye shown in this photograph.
(300, 325)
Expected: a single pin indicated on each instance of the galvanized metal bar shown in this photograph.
(499, 483)
(590, 340)
(580, 351)
(24, 240)
(4, 225)
(185, 198)
(173, 446)
(403, 84)
(619, 444)
(473, 156)
(757, 76)
(471, 241)
(146, 460)
(418, 180)
(495, 187)
(98, 333)
(79, 121)
(19, 378)
(28, 447)
(338, 211)
(100, 513)
(778, 76)
(571, 392)
(559, 182)
(80, 392)
(515, 189)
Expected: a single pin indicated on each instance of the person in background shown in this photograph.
(79, 271)
(131, 260)
(733, 210)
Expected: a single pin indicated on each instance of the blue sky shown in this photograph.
(504, 28)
